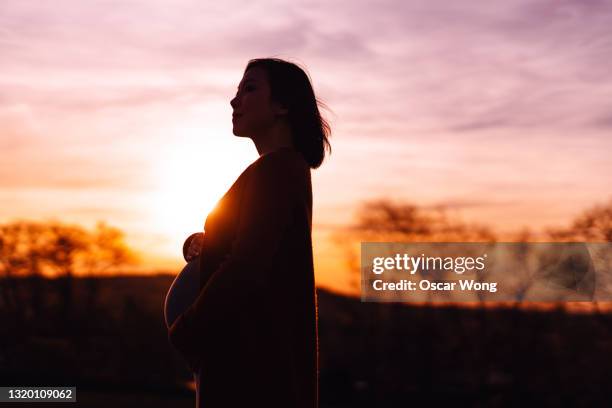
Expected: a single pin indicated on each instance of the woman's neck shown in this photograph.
(278, 137)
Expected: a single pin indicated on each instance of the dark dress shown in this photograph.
(251, 334)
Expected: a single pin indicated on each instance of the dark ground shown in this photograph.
(109, 340)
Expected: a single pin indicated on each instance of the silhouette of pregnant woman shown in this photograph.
(243, 311)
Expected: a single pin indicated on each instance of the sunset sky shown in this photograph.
(120, 110)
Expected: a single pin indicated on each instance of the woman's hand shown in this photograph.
(193, 246)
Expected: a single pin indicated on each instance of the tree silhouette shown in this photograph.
(383, 220)
(29, 249)
(593, 225)
(106, 253)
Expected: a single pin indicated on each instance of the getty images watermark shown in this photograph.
(474, 271)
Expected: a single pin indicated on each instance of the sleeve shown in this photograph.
(265, 212)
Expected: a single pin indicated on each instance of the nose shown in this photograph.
(233, 102)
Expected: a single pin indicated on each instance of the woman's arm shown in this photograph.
(266, 211)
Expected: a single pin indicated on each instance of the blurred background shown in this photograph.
(472, 121)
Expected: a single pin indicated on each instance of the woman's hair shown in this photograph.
(290, 86)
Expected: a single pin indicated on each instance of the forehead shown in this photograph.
(254, 75)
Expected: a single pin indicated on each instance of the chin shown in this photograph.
(237, 133)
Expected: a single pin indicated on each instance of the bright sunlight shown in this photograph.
(191, 177)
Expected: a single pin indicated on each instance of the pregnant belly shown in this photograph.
(182, 292)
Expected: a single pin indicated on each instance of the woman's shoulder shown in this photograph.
(280, 170)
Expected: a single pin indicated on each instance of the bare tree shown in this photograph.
(29, 249)
(592, 226)
(383, 220)
(107, 252)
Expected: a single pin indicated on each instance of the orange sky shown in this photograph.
(122, 113)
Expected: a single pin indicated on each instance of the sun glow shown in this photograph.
(191, 177)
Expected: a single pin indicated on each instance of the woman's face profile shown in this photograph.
(253, 110)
